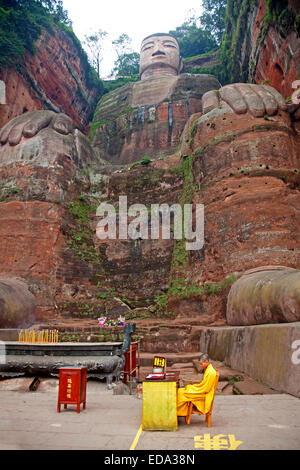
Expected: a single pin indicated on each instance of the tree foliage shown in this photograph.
(21, 23)
(94, 45)
(127, 63)
(192, 39)
(213, 18)
(122, 44)
(198, 35)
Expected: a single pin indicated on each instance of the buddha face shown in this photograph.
(160, 55)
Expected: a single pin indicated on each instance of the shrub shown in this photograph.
(145, 160)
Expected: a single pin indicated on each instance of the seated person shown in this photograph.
(201, 395)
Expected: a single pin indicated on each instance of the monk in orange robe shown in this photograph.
(200, 394)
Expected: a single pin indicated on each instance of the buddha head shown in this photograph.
(160, 55)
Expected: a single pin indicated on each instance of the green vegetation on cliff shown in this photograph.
(193, 40)
(22, 23)
(232, 68)
(236, 18)
(227, 24)
(81, 235)
(201, 35)
(111, 85)
(90, 73)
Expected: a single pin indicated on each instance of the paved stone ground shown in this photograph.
(246, 416)
(29, 421)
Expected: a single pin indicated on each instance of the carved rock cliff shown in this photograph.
(261, 43)
(243, 169)
(56, 77)
(147, 117)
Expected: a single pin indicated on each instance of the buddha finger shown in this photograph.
(232, 96)
(39, 120)
(278, 97)
(269, 101)
(63, 124)
(6, 130)
(18, 125)
(210, 101)
(4, 133)
(15, 134)
(254, 102)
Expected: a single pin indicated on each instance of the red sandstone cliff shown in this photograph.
(276, 56)
(243, 169)
(56, 77)
(261, 44)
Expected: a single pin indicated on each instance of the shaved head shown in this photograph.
(204, 357)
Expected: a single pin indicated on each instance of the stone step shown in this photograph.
(231, 382)
(250, 387)
(146, 358)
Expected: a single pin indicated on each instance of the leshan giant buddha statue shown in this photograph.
(244, 129)
(148, 117)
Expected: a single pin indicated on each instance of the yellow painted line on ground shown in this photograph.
(136, 439)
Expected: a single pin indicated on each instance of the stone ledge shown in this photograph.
(266, 353)
(251, 387)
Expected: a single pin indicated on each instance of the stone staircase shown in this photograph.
(231, 382)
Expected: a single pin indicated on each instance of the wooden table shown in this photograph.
(160, 403)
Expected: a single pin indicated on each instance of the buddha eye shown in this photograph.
(148, 46)
(170, 45)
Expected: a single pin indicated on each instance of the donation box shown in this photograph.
(72, 387)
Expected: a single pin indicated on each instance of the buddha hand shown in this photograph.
(259, 100)
(29, 124)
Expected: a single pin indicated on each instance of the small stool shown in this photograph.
(72, 387)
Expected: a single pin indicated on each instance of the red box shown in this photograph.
(72, 387)
(130, 363)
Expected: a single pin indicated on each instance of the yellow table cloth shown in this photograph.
(160, 406)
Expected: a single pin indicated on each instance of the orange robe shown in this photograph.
(200, 394)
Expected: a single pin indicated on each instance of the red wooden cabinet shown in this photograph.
(72, 387)
(130, 363)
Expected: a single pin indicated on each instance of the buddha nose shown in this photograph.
(158, 50)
